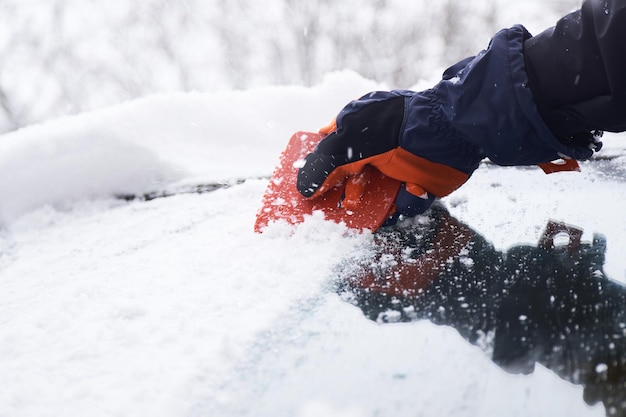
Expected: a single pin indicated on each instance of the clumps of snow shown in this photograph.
(62, 168)
(148, 144)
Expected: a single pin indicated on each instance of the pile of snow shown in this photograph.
(153, 142)
(175, 307)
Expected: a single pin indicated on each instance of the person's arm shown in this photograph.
(577, 69)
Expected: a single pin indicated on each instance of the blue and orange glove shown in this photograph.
(367, 132)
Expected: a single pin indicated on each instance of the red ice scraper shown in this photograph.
(364, 201)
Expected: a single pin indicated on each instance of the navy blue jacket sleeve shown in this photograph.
(483, 108)
(577, 69)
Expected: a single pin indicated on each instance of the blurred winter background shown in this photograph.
(60, 57)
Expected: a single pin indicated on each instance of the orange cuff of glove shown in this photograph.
(419, 174)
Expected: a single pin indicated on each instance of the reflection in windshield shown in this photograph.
(550, 304)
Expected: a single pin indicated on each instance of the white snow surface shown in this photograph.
(175, 307)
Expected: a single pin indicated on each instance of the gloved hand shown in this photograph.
(367, 132)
